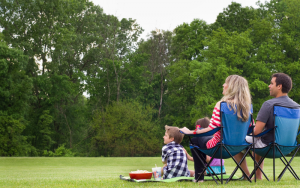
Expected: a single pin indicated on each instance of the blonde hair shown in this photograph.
(238, 96)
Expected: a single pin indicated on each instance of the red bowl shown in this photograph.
(139, 176)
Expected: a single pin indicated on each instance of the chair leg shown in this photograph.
(208, 166)
(274, 164)
(288, 166)
(258, 166)
(205, 167)
(288, 163)
(234, 171)
(238, 166)
(221, 159)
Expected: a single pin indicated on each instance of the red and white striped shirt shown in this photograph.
(214, 123)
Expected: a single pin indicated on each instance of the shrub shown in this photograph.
(126, 129)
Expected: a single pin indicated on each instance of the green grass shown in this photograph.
(105, 171)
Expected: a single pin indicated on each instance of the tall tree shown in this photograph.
(235, 18)
(15, 85)
(180, 94)
(15, 94)
(113, 64)
(226, 54)
(187, 41)
(187, 46)
(158, 46)
(60, 36)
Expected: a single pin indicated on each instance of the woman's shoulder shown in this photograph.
(218, 104)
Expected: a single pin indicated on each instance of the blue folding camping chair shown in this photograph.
(233, 134)
(286, 124)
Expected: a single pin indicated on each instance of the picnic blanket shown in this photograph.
(177, 179)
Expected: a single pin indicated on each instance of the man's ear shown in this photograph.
(171, 139)
(279, 87)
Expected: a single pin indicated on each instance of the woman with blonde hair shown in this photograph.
(237, 96)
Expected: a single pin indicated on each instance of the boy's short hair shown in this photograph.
(173, 132)
(203, 122)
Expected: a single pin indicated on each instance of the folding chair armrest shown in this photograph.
(209, 133)
(262, 133)
(250, 130)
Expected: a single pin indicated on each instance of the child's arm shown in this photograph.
(164, 155)
(187, 155)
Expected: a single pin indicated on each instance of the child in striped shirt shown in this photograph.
(216, 163)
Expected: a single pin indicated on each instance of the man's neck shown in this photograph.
(281, 94)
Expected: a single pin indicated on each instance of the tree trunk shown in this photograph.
(70, 131)
(161, 93)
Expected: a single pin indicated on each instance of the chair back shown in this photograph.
(287, 123)
(234, 129)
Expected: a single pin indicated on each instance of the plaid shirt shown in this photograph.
(176, 161)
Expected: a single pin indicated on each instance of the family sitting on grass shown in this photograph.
(237, 95)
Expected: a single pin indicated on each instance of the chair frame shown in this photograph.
(274, 146)
(222, 146)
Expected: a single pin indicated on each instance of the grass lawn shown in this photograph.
(105, 171)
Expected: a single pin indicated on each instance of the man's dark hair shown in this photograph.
(285, 80)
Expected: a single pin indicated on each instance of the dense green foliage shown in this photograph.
(53, 51)
(125, 129)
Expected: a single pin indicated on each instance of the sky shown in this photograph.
(167, 14)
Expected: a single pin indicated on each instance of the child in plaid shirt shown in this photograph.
(173, 155)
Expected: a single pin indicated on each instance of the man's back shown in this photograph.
(265, 114)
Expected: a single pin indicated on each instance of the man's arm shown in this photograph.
(165, 162)
(259, 127)
(262, 116)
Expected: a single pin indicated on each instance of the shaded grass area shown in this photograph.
(105, 172)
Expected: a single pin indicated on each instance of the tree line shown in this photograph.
(53, 51)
